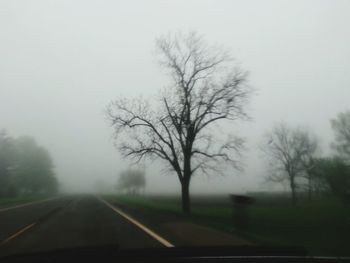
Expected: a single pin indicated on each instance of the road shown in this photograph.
(69, 222)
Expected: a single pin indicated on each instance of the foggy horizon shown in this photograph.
(63, 62)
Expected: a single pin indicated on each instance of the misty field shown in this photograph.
(321, 226)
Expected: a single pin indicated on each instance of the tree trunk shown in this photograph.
(186, 202)
(292, 187)
(310, 188)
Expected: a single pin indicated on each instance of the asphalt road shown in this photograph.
(69, 222)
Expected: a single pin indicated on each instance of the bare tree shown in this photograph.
(341, 127)
(206, 88)
(291, 153)
(132, 181)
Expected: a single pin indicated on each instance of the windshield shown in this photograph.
(161, 124)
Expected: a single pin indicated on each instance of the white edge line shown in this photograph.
(138, 224)
(28, 204)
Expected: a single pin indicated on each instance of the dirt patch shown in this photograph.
(198, 235)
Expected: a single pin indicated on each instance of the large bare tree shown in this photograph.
(206, 88)
(291, 153)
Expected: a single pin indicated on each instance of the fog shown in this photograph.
(62, 62)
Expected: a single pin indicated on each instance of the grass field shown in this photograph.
(321, 226)
(7, 202)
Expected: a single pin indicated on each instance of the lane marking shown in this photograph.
(21, 231)
(138, 224)
(28, 204)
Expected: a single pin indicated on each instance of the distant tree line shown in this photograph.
(294, 156)
(25, 167)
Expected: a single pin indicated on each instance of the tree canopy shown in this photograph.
(336, 173)
(25, 167)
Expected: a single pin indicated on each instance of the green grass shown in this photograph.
(323, 226)
(7, 202)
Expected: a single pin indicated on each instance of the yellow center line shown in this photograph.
(138, 224)
(17, 234)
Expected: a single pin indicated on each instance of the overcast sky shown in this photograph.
(62, 62)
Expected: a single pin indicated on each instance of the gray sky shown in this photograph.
(61, 62)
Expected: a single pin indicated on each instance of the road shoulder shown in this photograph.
(181, 231)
